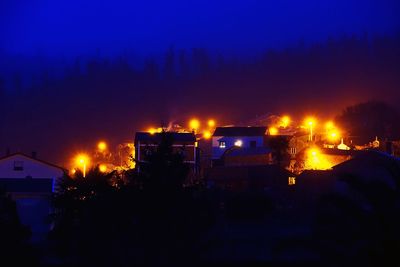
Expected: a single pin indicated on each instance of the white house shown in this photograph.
(30, 182)
(225, 138)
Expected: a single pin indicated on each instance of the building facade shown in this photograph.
(30, 182)
(183, 143)
(227, 138)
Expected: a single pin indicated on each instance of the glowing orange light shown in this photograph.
(285, 121)
(310, 121)
(152, 130)
(316, 161)
(333, 136)
(102, 168)
(102, 146)
(207, 135)
(82, 160)
(194, 124)
(329, 125)
(211, 123)
(273, 131)
(155, 130)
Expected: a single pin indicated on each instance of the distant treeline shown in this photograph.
(111, 97)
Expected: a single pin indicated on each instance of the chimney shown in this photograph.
(34, 154)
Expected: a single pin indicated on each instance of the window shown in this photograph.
(222, 144)
(238, 143)
(292, 180)
(18, 165)
(293, 150)
(253, 143)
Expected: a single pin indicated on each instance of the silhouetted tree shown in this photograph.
(370, 119)
(279, 146)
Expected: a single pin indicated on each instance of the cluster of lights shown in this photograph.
(283, 123)
(82, 161)
(332, 132)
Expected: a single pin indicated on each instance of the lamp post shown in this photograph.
(83, 162)
(311, 123)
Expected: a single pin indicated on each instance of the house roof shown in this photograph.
(156, 137)
(240, 131)
(368, 159)
(32, 158)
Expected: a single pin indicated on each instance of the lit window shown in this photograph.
(292, 181)
(18, 165)
(293, 150)
(222, 144)
(238, 143)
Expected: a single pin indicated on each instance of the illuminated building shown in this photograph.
(184, 143)
(225, 138)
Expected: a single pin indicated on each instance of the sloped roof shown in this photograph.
(240, 131)
(32, 158)
(368, 159)
(156, 137)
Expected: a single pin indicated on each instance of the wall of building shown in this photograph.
(31, 167)
(217, 152)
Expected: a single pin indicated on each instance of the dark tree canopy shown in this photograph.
(370, 119)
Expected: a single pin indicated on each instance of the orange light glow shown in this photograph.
(285, 121)
(194, 124)
(154, 130)
(315, 160)
(102, 168)
(211, 123)
(207, 135)
(273, 131)
(329, 125)
(102, 146)
(310, 121)
(82, 161)
(333, 136)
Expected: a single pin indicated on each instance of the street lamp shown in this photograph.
(310, 122)
(194, 124)
(82, 160)
(211, 123)
(102, 146)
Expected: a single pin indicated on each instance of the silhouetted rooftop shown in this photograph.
(156, 137)
(240, 131)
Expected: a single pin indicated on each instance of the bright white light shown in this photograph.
(238, 143)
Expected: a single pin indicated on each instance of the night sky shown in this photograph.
(102, 69)
(74, 27)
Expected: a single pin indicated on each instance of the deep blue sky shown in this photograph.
(72, 27)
